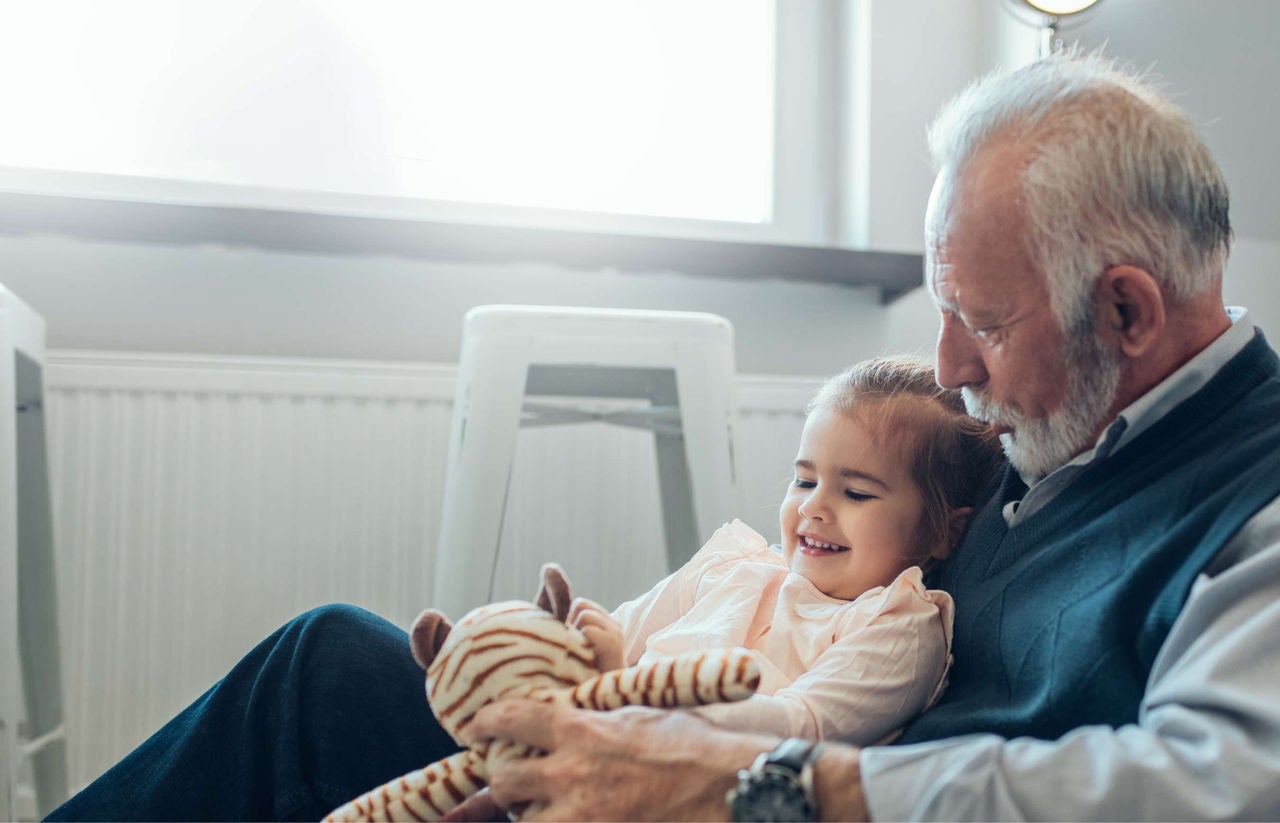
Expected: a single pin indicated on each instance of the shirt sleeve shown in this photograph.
(868, 684)
(674, 595)
(1206, 744)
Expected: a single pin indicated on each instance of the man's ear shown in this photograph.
(1133, 309)
(956, 521)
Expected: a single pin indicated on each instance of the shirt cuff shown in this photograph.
(926, 781)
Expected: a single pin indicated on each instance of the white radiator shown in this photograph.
(201, 502)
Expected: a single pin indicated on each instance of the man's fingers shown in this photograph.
(518, 783)
(479, 808)
(523, 721)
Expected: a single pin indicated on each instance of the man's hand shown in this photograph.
(630, 764)
(636, 764)
(601, 630)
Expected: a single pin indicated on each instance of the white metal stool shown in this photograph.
(682, 362)
(31, 725)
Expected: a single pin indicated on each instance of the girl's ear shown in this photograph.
(956, 522)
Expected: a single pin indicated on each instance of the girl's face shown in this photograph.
(852, 517)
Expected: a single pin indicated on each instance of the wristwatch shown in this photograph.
(778, 786)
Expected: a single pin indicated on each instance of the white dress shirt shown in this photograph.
(1207, 741)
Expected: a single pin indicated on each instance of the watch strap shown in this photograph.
(794, 753)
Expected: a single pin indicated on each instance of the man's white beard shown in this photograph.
(1040, 445)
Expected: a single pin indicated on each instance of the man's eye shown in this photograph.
(858, 496)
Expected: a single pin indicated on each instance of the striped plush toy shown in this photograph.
(518, 649)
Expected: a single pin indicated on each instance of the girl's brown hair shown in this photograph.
(953, 456)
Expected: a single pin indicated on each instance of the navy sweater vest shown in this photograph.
(1059, 620)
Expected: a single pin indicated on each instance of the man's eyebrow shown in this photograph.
(848, 474)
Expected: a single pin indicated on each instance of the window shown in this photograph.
(649, 113)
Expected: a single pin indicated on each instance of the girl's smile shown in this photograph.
(814, 546)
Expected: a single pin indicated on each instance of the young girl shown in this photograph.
(851, 644)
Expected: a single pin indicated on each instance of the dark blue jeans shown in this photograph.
(329, 706)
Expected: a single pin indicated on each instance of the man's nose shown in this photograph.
(959, 361)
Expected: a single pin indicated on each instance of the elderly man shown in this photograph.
(1118, 599)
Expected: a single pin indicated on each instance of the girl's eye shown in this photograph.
(858, 496)
(801, 483)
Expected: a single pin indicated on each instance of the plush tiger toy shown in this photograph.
(519, 649)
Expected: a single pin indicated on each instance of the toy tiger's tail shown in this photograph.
(690, 679)
(428, 794)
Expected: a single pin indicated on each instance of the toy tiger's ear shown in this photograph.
(554, 594)
(429, 632)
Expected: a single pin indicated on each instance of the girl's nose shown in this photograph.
(813, 507)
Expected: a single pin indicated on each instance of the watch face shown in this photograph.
(773, 797)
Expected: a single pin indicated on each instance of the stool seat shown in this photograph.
(33, 761)
(681, 362)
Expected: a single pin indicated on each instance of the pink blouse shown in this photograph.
(854, 671)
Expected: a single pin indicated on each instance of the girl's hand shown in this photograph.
(601, 630)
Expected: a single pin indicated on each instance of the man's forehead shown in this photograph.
(976, 283)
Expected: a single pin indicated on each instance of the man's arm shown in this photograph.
(1206, 745)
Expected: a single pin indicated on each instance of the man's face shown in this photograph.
(1045, 392)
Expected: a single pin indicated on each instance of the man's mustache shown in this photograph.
(981, 407)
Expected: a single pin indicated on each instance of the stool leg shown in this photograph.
(482, 446)
(679, 523)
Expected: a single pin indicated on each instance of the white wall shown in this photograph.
(922, 53)
(244, 301)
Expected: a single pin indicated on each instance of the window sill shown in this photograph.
(894, 274)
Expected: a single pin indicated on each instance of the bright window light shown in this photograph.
(641, 107)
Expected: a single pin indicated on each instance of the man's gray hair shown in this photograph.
(1116, 174)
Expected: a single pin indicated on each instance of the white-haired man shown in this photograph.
(1118, 599)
